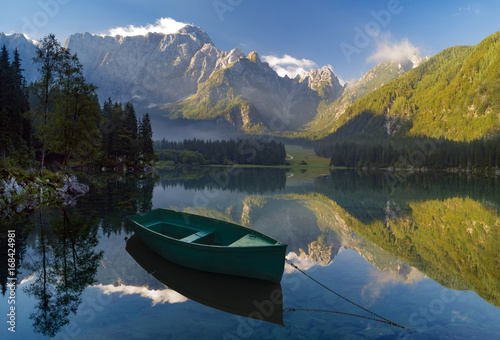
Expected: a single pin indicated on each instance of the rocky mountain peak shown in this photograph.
(417, 60)
(325, 81)
(406, 63)
(254, 57)
(196, 33)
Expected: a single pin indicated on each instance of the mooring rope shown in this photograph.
(381, 318)
(287, 310)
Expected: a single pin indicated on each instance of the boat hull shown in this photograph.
(232, 294)
(264, 262)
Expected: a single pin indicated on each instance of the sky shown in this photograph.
(350, 36)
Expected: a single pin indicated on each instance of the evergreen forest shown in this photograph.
(249, 151)
(414, 153)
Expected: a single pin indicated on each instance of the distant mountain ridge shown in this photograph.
(187, 76)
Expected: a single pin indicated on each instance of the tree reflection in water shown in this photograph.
(64, 263)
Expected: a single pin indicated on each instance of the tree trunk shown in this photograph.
(44, 139)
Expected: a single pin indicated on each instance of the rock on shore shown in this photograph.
(18, 195)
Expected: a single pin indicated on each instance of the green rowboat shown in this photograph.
(211, 245)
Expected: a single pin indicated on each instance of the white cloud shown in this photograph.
(28, 279)
(468, 8)
(302, 262)
(163, 25)
(288, 65)
(392, 50)
(156, 296)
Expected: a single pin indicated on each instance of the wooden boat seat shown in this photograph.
(198, 236)
(250, 240)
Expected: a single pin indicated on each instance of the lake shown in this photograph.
(421, 250)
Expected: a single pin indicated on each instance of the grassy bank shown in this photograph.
(305, 165)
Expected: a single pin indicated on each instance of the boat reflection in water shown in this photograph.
(256, 299)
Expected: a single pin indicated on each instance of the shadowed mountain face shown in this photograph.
(325, 120)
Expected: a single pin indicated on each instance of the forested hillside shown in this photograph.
(454, 95)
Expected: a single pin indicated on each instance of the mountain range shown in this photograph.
(187, 77)
(184, 77)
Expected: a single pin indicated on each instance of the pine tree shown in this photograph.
(107, 128)
(14, 126)
(131, 146)
(117, 124)
(21, 104)
(146, 133)
(48, 58)
(5, 119)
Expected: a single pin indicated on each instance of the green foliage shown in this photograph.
(48, 57)
(415, 153)
(325, 121)
(207, 104)
(73, 130)
(454, 95)
(214, 99)
(453, 241)
(66, 110)
(122, 134)
(182, 157)
(241, 151)
(146, 138)
(15, 127)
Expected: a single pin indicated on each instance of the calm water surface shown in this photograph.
(422, 251)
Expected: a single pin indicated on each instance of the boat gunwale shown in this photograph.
(210, 246)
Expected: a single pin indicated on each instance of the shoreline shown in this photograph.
(22, 192)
